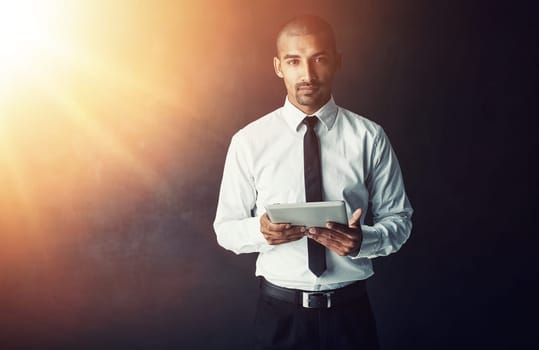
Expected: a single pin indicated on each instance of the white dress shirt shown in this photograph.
(264, 165)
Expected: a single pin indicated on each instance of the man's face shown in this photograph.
(307, 64)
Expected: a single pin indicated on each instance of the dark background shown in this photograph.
(110, 244)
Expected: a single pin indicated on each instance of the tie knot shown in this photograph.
(310, 121)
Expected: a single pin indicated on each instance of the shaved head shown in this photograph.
(306, 25)
(307, 60)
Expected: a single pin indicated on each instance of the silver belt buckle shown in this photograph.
(306, 303)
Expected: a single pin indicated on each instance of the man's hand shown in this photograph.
(342, 239)
(280, 233)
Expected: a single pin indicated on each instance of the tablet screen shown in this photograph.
(308, 214)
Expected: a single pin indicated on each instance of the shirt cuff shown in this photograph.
(257, 238)
(370, 243)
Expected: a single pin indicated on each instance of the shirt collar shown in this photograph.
(294, 117)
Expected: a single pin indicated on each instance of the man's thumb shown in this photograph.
(354, 220)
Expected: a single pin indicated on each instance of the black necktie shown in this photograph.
(313, 190)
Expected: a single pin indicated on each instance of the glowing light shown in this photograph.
(100, 107)
(84, 86)
(26, 28)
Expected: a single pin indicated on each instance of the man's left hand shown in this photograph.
(342, 239)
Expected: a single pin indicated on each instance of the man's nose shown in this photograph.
(309, 74)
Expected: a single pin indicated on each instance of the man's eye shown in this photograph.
(321, 59)
(293, 62)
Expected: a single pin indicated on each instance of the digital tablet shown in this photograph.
(308, 214)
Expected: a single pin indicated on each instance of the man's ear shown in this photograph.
(277, 67)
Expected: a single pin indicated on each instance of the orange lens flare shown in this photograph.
(98, 103)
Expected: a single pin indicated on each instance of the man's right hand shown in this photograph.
(280, 233)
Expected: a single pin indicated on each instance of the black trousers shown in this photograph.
(282, 325)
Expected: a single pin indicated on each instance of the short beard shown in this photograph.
(307, 101)
(310, 100)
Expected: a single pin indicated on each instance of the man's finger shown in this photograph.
(354, 220)
(294, 233)
(281, 241)
(282, 237)
(342, 244)
(266, 222)
(277, 227)
(329, 242)
(327, 236)
(347, 231)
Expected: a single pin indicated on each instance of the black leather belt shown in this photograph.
(320, 299)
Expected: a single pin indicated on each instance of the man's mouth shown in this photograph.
(308, 88)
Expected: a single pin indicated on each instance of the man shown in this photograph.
(271, 161)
